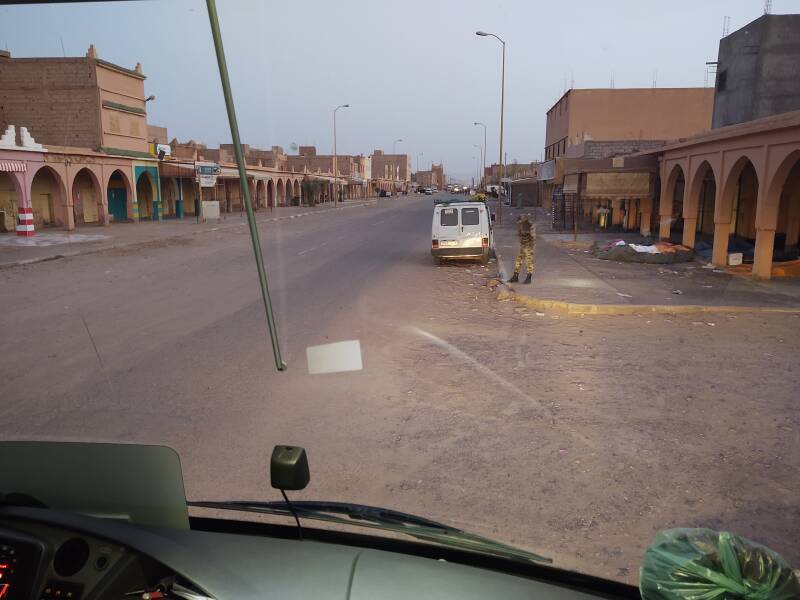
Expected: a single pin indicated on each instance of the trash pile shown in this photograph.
(658, 253)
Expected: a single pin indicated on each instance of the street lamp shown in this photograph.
(335, 176)
(502, 107)
(480, 151)
(394, 145)
(484, 150)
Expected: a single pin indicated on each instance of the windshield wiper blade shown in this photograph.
(362, 512)
(381, 518)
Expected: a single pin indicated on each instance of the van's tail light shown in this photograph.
(485, 242)
(435, 244)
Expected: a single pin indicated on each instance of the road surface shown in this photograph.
(574, 437)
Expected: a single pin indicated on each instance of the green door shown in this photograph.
(118, 203)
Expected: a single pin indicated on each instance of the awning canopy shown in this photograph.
(634, 184)
(13, 166)
(168, 169)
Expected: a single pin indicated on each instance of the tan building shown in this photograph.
(78, 102)
(736, 183)
(392, 171)
(598, 123)
(433, 178)
(513, 171)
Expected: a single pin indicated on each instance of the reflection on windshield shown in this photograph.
(553, 311)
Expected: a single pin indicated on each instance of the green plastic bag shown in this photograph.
(702, 564)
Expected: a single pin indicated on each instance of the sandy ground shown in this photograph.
(575, 437)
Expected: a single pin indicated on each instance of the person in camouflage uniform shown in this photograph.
(527, 248)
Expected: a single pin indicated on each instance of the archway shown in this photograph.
(169, 195)
(279, 193)
(743, 201)
(270, 194)
(789, 207)
(297, 192)
(260, 193)
(117, 193)
(288, 191)
(699, 205)
(145, 196)
(672, 218)
(10, 194)
(47, 198)
(86, 199)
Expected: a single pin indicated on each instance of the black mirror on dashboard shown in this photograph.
(288, 468)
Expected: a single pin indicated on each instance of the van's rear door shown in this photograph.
(449, 227)
(470, 233)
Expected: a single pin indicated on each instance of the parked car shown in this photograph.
(461, 230)
(427, 191)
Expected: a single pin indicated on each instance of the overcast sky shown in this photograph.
(413, 70)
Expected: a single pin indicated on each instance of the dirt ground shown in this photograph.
(575, 437)
(584, 436)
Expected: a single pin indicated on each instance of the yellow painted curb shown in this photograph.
(630, 309)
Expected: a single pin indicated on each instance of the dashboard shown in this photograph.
(66, 556)
(45, 562)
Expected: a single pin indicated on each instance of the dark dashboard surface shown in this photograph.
(105, 558)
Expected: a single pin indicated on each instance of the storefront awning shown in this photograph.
(168, 169)
(617, 185)
(12, 166)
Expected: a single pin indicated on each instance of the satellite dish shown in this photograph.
(293, 147)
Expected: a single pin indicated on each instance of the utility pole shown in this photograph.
(502, 110)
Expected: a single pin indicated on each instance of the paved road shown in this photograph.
(574, 437)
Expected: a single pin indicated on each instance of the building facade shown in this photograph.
(635, 116)
(391, 171)
(757, 71)
(77, 102)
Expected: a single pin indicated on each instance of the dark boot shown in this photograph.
(514, 278)
(528, 278)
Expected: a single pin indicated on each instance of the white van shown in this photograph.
(461, 230)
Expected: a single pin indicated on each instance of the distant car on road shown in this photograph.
(427, 191)
(461, 230)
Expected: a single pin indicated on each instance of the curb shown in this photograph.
(507, 292)
(41, 259)
(572, 308)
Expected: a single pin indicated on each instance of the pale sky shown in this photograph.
(413, 70)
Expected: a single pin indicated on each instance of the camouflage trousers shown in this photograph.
(526, 255)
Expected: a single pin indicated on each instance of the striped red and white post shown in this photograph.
(25, 221)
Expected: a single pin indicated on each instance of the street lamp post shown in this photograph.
(483, 162)
(502, 108)
(335, 175)
(394, 145)
(478, 168)
(484, 151)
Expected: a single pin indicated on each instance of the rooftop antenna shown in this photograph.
(571, 80)
(565, 85)
(767, 7)
(655, 77)
(612, 80)
(726, 26)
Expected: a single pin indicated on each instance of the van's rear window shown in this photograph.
(469, 216)
(449, 217)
